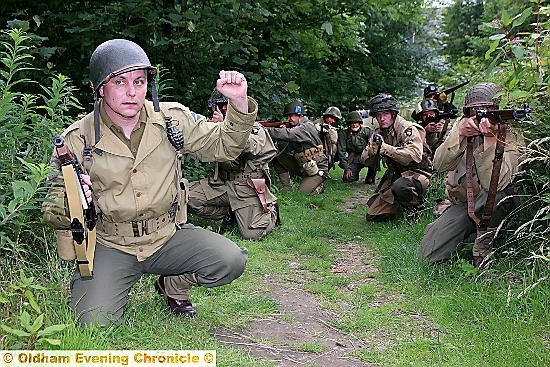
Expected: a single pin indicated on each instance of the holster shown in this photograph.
(258, 184)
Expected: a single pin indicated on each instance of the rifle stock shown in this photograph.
(273, 123)
(83, 215)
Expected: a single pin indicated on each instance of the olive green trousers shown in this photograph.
(212, 259)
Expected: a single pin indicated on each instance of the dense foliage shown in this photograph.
(510, 43)
(323, 51)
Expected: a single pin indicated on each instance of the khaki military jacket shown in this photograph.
(404, 147)
(351, 145)
(130, 188)
(253, 162)
(450, 157)
(300, 138)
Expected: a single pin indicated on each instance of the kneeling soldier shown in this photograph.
(400, 144)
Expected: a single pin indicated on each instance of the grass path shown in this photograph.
(328, 289)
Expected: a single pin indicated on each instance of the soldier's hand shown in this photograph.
(86, 187)
(347, 174)
(468, 127)
(375, 143)
(217, 115)
(234, 86)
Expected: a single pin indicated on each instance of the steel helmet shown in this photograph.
(430, 89)
(354, 116)
(333, 111)
(115, 57)
(216, 98)
(295, 107)
(428, 105)
(481, 95)
(383, 102)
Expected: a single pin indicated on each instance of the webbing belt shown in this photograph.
(135, 228)
(85, 250)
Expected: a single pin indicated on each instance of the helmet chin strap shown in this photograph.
(154, 95)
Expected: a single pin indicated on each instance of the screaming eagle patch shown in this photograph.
(409, 131)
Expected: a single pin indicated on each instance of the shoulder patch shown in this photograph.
(197, 116)
(255, 130)
(409, 131)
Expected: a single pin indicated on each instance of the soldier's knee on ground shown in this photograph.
(407, 192)
(97, 315)
(379, 218)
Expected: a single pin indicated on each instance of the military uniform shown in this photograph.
(329, 134)
(407, 177)
(350, 147)
(142, 205)
(234, 189)
(454, 227)
(305, 146)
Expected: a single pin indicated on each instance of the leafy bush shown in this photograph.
(27, 123)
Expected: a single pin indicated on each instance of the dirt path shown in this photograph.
(301, 333)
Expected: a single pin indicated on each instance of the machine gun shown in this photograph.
(443, 96)
(500, 116)
(83, 215)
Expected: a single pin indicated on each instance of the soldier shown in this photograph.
(304, 155)
(326, 126)
(435, 127)
(238, 192)
(351, 143)
(454, 227)
(131, 150)
(400, 144)
(217, 106)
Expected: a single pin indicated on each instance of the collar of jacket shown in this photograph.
(152, 137)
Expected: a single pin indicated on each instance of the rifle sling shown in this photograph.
(483, 223)
(469, 180)
(495, 175)
(86, 250)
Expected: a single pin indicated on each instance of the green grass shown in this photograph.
(408, 312)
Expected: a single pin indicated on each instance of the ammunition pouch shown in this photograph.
(310, 168)
(309, 154)
(65, 245)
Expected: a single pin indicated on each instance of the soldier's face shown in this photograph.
(293, 119)
(329, 119)
(384, 118)
(355, 126)
(124, 95)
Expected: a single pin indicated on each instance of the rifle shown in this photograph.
(500, 116)
(273, 123)
(378, 140)
(83, 215)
